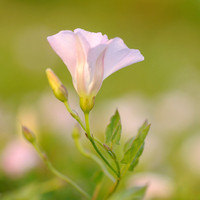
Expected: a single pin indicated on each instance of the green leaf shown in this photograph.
(128, 144)
(113, 130)
(136, 159)
(135, 193)
(135, 146)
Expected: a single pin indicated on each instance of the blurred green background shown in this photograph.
(163, 88)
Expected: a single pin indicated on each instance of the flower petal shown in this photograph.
(89, 73)
(64, 44)
(93, 39)
(81, 73)
(118, 55)
(96, 66)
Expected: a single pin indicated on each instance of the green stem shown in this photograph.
(93, 157)
(96, 191)
(98, 142)
(113, 189)
(87, 130)
(58, 174)
(115, 159)
(118, 167)
(93, 143)
(87, 123)
(74, 115)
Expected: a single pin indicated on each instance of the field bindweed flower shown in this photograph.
(90, 58)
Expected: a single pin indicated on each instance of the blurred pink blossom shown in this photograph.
(17, 158)
(54, 116)
(133, 109)
(159, 186)
(189, 153)
(174, 112)
(91, 57)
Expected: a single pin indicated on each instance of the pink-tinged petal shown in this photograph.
(64, 44)
(93, 39)
(96, 66)
(85, 69)
(92, 57)
(118, 55)
(80, 77)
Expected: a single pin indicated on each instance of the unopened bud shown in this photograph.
(58, 88)
(109, 150)
(28, 134)
(107, 147)
(87, 103)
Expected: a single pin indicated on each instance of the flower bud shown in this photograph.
(107, 148)
(58, 88)
(28, 134)
(87, 103)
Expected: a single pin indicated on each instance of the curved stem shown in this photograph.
(93, 143)
(51, 185)
(87, 130)
(74, 115)
(58, 174)
(96, 191)
(93, 157)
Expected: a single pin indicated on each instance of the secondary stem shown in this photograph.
(87, 130)
(113, 189)
(96, 191)
(58, 174)
(94, 157)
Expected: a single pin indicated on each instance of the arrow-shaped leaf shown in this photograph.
(113, 130)
(135, 146)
